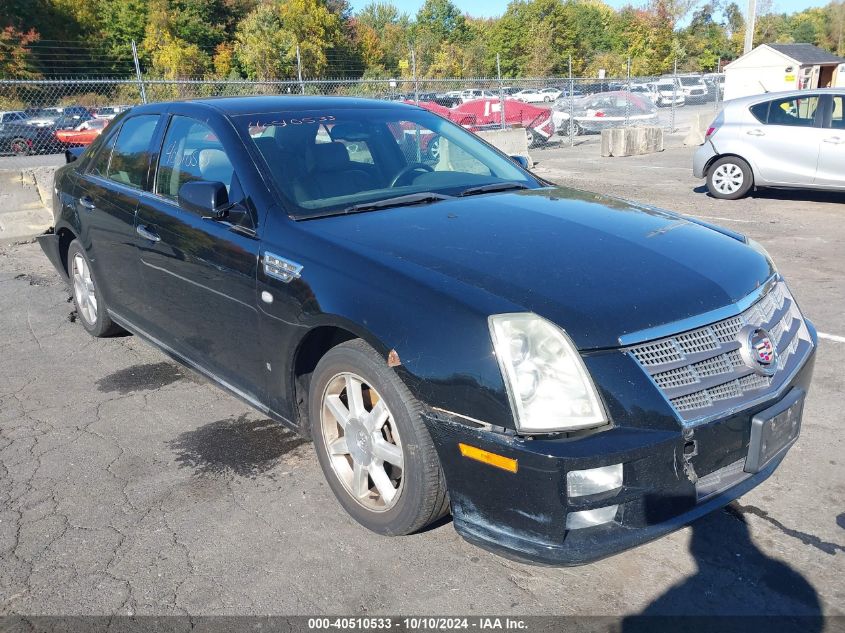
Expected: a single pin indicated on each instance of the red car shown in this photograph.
(83, 134)
(486, 114)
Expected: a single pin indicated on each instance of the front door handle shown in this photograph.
(86, 203)
(147, 234)
(756, 133)
(834, 139)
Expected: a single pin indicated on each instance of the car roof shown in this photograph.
(234, 106)
(769, 96)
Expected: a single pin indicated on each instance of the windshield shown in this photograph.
(324, 161)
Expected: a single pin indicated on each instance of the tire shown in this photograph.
(90, 306)
(419, 494)
(576, 129)
(20, 147)
(729, 178)
(434, 148)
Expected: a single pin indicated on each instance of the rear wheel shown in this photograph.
(89, 303)
(729, 178)
(372, 444)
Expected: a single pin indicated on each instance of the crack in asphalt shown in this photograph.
(738, 511)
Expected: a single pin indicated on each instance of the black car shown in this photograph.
(21, 139)
(569, 375)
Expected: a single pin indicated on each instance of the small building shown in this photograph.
(776, 67)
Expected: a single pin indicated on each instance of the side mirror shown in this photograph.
(205, 198)
(73, 154)
(522, 161)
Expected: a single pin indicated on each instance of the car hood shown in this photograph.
(598, 267)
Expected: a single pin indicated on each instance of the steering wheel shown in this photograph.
(410, 168)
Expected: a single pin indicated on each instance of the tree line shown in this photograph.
(273, 39)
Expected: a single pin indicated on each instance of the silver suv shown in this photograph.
(792, 139)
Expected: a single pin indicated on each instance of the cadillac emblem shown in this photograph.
(758, 351)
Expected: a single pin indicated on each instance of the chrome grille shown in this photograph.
(702, 372)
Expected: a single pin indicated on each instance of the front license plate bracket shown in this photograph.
(774, 430)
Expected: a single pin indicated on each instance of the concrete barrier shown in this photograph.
(512, 141)
(698, 129)
(631, 141)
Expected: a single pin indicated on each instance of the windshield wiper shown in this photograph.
(398, 201)
(495, 186)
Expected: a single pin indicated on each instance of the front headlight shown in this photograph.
(548, 385)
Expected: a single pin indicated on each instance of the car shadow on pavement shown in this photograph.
(734, 578)
(797, 195)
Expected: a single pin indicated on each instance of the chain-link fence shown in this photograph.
(48, 116)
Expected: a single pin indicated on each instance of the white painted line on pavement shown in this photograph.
(716, 217)
(832, 337)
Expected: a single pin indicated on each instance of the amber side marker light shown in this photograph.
(486, 457)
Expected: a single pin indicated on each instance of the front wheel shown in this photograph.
(21, 147)
(372, 444)
(729, 178)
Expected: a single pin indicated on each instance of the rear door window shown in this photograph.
(131, 153)
(761, 111)
(793, 111)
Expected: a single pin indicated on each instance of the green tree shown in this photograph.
(263, 47)
(315, 29)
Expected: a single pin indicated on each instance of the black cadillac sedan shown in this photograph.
(570, 375)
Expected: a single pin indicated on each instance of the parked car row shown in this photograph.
(52, 130)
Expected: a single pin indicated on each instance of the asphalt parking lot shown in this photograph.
(128, 485)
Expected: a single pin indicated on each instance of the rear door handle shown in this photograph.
(147, 234)
(834, 139)
(756, 133)
(87, 203)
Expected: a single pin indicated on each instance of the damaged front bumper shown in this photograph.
(50, 243)
(671, 477)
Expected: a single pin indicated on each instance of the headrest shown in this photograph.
(215, 165)
(328, 157)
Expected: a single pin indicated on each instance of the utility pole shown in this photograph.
(750, 20)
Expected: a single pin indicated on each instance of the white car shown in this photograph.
(109, 112)
(694, 88)
(644, 90)
(472, 94)
(666, 93)
(604, 110)
(533, 95)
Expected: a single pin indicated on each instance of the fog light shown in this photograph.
(593, 480)
(589, 518)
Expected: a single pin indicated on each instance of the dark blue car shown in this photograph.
(569, 375)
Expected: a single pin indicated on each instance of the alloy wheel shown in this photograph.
(434, 148)
(363, 443)
(83, 289)
(728, 178)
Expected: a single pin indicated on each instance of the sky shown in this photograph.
(493, 8)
